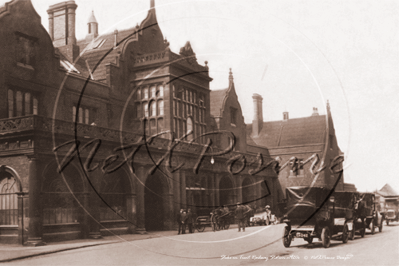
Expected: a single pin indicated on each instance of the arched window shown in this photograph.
(87, 116)
(153, 109)
(190, 127)
(10, 103)
(74, 113)
(80, 115)
(146, 109)
(8, 200)
(160, 107)
(153, 91)
(35, 106)
(27, 103)
(19, 103)
(160, 88)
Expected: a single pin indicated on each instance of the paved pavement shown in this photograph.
(15, 252)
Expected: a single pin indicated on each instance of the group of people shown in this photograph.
(185, 219)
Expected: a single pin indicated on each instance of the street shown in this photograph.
(256, 246)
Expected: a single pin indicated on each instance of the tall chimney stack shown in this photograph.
(257, 122)
(62, 28)
(62, 23)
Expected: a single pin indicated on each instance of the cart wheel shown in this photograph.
(287, 238)
(200, 227)
(352, 233)
(372, 226)
(325, 237)
(309, 240)
(345, 234)
(226, 225)
(380, 227)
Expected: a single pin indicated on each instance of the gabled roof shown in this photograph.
(217, 100)
(387, 190)
(292, 132)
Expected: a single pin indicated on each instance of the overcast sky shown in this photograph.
(297, 55)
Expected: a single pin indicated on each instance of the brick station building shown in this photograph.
(76, 116)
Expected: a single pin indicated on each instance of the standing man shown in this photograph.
(179, 221)
(190, 221)
(183, 219)
(268, 214)
(240, 216)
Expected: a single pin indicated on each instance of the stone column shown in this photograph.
(86, 217)
(239, 189)
(183, 190)
(35, 233)
(217, 192)
(131, 212)
(169, 221)
(21, 216)
(94, 203)
(140, 201)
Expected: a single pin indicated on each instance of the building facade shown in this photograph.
(114, 134)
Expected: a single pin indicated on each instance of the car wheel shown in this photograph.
(325, 237)
(345, 234)
(287, 238)
(372, 229)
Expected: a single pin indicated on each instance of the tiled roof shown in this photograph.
(387, 190)
(217, 98)
(296, 131)
(101, 49)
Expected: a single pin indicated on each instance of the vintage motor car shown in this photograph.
(310, 213)
(367, 209)
(261, 218)
(391, 210)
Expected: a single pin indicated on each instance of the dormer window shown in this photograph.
(25, 49)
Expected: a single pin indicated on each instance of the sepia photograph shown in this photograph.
(199, 132)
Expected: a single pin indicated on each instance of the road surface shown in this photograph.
(257, 246)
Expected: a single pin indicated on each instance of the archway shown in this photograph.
(155, 202)
(62, 197)
(226, 195)
(248, 190)
(8, 199)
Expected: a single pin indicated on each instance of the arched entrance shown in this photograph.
(62, 198)
(114, 192)
(155, 202)
(226, 195)
(248, 190)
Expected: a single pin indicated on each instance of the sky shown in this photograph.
(296, 54)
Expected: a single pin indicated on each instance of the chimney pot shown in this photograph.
(315, 111)
(257, 122)
(285, 116)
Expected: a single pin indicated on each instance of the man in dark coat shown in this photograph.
(179, 221)
(190, 221)
(183, 220)
(240, 216)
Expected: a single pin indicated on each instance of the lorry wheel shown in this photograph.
(287, 238)
(325, 237)
(345, 234)
(372, 227)
(352, 233)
